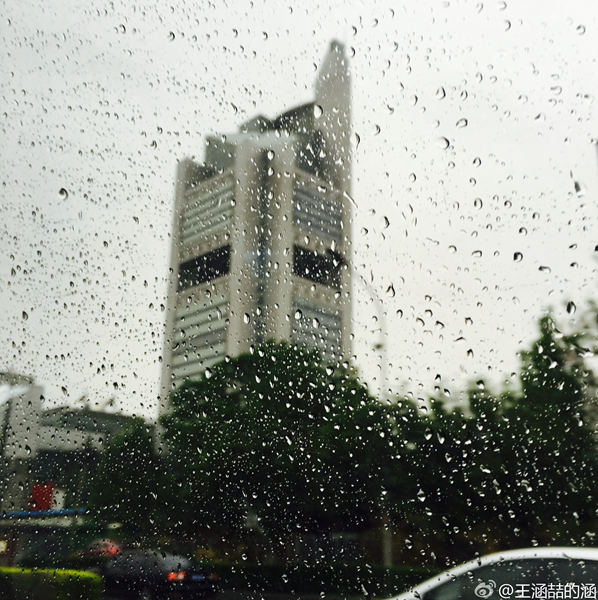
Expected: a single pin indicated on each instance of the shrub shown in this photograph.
(18, 583)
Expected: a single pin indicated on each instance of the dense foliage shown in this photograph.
(273, 445)
(276, 439)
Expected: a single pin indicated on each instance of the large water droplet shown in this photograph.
(571, 308)
(318, 111)
(443, 143)
(298, 315)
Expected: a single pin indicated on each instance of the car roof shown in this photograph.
(520, 554)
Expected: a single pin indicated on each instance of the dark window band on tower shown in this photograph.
(319, 268)
(204, 268)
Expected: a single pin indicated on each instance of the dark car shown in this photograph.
(155, 575)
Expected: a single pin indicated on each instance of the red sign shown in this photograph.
(42, 496)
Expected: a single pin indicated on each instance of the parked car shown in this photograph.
(529, 574)
(103, 548)
(154, 575)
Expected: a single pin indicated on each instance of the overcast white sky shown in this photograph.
(101, 99)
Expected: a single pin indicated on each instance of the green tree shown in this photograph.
(276, 436)
(127, 485)
(552, 451)
(508, 469)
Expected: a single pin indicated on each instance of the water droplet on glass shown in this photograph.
(580, 29)
(571, 308)
(507, 25)
(63, 193)
(208, 373)
(443, 143)
(298, 315)
(477, 161)
(171, 36)
(478, 203)
(461, 123)
(579, 189)
(24, 316)
(318, 111)
(246, 318)
(440, 93)
(390, 290)
(517, 256)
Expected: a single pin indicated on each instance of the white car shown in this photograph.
(529, 574)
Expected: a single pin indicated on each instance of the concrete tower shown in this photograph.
(261, 239)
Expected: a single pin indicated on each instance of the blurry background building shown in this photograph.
(47, 450)
(261, 239)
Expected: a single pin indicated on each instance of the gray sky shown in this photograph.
(102, 99)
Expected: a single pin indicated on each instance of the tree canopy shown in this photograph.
(277, 437)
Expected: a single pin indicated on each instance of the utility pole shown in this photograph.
(381, 347)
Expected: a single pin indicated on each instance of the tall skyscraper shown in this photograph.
(262, 236)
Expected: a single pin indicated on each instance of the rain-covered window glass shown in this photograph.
(298, 299)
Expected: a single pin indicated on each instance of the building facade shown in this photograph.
(51, 447)
(261, 239)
